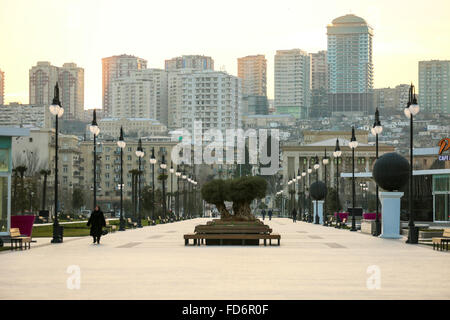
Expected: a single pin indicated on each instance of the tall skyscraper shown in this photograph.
(350, 66)
(253, 72)
(2, 87)
(319, 85)
(142, 94)
(196, 62)
(71, 83)
(292, 83)
(115, 67)
(70, 78)
(213, 97)
(434, 86)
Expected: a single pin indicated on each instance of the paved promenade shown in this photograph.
(313, 262)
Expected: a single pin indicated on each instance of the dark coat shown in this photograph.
(294, 212)
(96, 222)
(270, 213)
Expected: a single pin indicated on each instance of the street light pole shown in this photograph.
(95, 130)
(316, 168)
(171, 170)
(57, 110)
(353, 144)
(310, 216)
(178, 174)
(376, 130)
(139, 153)
(337, 153)
(325, 163)
(412, 108)
(304, 195)
(163, 166)
(121, 143)
(152, 162)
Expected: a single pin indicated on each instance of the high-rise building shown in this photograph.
(142, 94)
(196, 62)
(70, 78)
(319, 85)
(2, 87)
(434, 86)
(42, 80)
(213, 97)
(253, 72)
(21, 115)
(116, 67)
(391, 98)
(350, 65)
(292, 83)
(71, 84)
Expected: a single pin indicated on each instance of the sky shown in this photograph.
(84, 31)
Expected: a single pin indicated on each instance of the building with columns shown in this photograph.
(302, 157)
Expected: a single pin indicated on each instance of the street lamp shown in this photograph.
(172, 171)
(140, 154)
(121, 144)
(184, 177)
(376, 130)
(353, 144)
(316, 168)
(57, 110)
(337, 154)
(310, 217)
(411, 109)
(303, 194)
(163, 166)
(325, 163)
(152, 162)
(95, 130)
(178, 174)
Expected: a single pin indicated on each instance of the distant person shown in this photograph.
(270, 214)
(263, 212)
(96, 222)
(294, 215)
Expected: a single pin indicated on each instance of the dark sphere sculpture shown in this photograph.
(391, 171)
(318, 190)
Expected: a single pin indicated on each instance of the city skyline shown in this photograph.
(86, 32)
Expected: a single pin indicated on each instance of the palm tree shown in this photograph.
(21, 171)
(45, 173)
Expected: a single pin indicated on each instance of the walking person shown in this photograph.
(294, 215)
(270, 214)
(96, 222)
(263, 212)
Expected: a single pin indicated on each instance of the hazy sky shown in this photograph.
(84, 31)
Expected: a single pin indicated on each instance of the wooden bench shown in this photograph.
(110, 227)
(131, 223)
(200, 238)
(17, 239)
(439, 242)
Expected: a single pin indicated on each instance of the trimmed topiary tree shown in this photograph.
(216, 192)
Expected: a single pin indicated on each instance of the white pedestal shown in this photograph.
(318, 205)
(390, 208)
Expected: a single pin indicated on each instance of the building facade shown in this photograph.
(136, 127)
(253, 72)
(292, 83)
(196, 62)
(350, 66)
(213, 97)
(391, 98)
(21, 115)
(434, 86)
(116, 67)
(42, 80)
(319, 85)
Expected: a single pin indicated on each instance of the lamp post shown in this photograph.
(184, 176)
(152, 162)
(325, 163)
(95, 130)
(299, 177)
(121, 143)
(178, 174)
(353, 144)
(411, 109)
(304, 196)
(310, 217)
(140, 154)
(163, 166)
(376, 130)
(316, 168)
(337, 154)
(57, 110)
(172, 171)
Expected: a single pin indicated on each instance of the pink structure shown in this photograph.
(371, 215)
(24, 223)
(342, 215)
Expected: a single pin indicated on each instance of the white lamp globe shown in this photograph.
(60, 112)
(163, 166)
(152, 160)
(378, 129)
(184, 177)
(372, 130)
(325, 161)
(303, 173)
(178, 174)
(407, 113)
(121, 144)
(414, 109)
(53, 109)
(171, 170)
(316, 166)
(309, 170)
